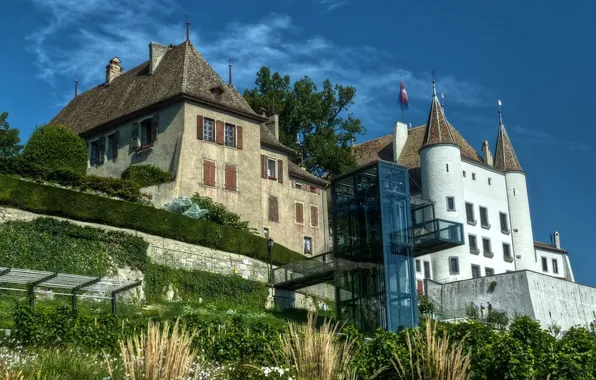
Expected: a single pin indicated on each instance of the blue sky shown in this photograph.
(535, 57)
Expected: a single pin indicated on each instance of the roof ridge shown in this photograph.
(437, 127)
(505, 157)
(371, 140)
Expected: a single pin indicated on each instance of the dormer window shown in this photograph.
(218, 90)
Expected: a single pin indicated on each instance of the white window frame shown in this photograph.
(268, 234)
(506, 222)
(473, 222)
(490, 269)
(510, 253)
(479, 270)
(447, 200)
(555, 265)
(234, 132)
(487, 225)
(450, 268)
(544, 262)
(476, 249)
(274, 176)
(311, 245)
(318, 215)
(295, 215)
(205, 119)
(490, 245)
(418, 266)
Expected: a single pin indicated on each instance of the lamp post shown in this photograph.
(270, 243)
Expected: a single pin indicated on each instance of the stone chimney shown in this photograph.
(400, 135)
(113, 70)
(557, 240)
(156, 53)
(488, 156)
(273, 124)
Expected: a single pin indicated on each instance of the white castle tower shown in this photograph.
(517, 195)
(441, 177)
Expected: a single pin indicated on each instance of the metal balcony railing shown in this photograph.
(302, 273)
(436, 235)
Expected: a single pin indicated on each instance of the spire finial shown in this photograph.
(500, 114)
(187, 28)
(230, 71)
(76, 85)
(443, 101)
(434, 84)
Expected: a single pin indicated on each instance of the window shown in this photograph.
(544, 265)
(475, 271)
(447, 167)
(273, 214)
(514, 191)
(230, 134)
(209, 173)
(473, 243)
(231, 177)
(464, 173)
(474, 176)
(418, 269)
(490, 181)
(266, 232)
(504, 224)
(506, 250)
(489, 272)
(96, 156)
(427, 269)
(314, 216)
(208, 129)
(555, 266)
(307, 246)
(298, 185)
(299, 213)
(486, 245)
(450, 204)
(453, 265)
(484, 217)
(470, 213)
(271, 168)
(113, 146)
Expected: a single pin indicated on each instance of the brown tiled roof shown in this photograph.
(297, 171)
(505, 157)
(268, 139)
(541, 245)
(382, 148)
(182, 72)
(438, 130)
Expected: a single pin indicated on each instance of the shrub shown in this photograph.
(114, 187)
(57, 147)
(70, 204)
(209, 287)
(219, 214)
(147, 175)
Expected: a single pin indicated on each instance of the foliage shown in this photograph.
(425, 306)
(147, 175)
(9, 138)
(113, 187)
(57, 147)
(207, 286)
(58, 246)
(432, 356)
(498, 318)
(318, 124)
(219, 214)
(70, 204)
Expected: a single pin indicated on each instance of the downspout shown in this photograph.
(324, 207)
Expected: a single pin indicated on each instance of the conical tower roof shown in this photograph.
(505, 157)
(437, 126)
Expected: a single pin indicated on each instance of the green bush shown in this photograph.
(57, 147)
(210, 287)
(127, 190)
(57, 246)
(147, 175)
(219, 214)
(86, 207)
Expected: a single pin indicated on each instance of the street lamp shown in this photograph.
(270, 243)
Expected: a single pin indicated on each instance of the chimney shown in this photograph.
(488, 156)
(113, 70)
(274, 119)
(156, 53)
(263, 111)
(557, 240)
(400, 135)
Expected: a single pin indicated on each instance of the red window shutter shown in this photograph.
(230, 173)
(154, 128)
(306, 187)
(280, 169)
(234, 178)
(263, 166)
(314, 216)
(420, 287)
(209, 173)
(200, 127)
(299, 213)
(219, 132)
(239, 137)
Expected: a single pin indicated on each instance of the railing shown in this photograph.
(310, 267)
(438, 229)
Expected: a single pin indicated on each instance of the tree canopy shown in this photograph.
(316, 123)
(9, 138)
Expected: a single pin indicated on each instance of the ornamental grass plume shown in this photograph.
(432, 357)
(162, 353)
(317, 354)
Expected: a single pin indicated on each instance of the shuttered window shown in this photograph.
(200, 127)
(208, 126)
(239, 142)
(219, 132)
(273, 212)
(280, 171)
(230, 178)
(154, 128)
(113, 145)
(299, 213)
(209, 173)
(314, 216)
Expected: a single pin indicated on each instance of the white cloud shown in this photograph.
(533, 136)
(332, 5)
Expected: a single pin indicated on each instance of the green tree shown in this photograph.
(9, 138)
(57, 147)
(316, 123)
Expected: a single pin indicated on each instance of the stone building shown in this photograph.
(175, 112)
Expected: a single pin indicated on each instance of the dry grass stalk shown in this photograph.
(160, 354)
(317, 354)
(432, 357)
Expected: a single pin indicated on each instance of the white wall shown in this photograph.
(550, 256)
(521, 221)
(493, 196)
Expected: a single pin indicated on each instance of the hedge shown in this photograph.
(147, 175)
(210, 287)
(86, 207)
(114, 187)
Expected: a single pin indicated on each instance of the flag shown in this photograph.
(403, 96)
